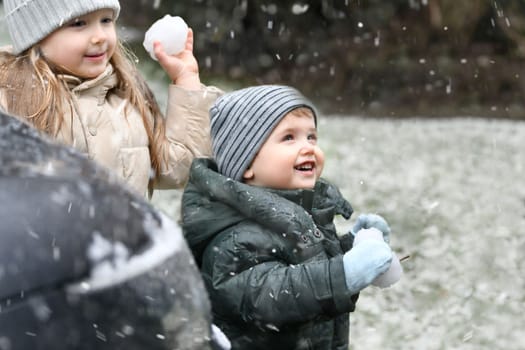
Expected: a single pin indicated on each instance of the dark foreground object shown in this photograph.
(84, 263)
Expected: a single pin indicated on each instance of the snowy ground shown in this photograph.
(454, 195)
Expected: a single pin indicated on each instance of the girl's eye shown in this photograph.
(77, 23)
(107, 20)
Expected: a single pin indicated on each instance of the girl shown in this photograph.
(70, 76)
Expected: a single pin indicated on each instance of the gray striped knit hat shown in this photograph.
(242, 120)
(29, 21)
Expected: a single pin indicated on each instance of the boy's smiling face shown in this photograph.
(83, 46)
(290, 158)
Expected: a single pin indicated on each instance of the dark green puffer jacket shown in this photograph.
(271, 260)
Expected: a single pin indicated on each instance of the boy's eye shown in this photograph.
(288, 137)
(107, 20)
(312, 136)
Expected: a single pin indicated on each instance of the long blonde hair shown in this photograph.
(33, 91)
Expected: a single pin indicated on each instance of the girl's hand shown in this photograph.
(182, 68)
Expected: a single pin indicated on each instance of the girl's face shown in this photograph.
(290, 158)
(83, 46)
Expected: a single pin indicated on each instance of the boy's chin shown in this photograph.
(303, 185)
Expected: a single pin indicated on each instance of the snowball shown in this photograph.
(170, 31)
(368, 233)
(393, 274)
(390, 276)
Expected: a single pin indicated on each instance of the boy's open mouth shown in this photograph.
(306, 166)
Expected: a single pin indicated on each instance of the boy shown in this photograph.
(259, 220)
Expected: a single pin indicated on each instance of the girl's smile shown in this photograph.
(84, 46)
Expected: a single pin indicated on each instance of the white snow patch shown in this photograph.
(166, 240)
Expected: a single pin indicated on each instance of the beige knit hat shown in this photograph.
(29, 21)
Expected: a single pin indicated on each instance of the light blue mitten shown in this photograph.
(365, 261)
(372, 220)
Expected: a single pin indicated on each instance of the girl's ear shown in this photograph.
(248, 174)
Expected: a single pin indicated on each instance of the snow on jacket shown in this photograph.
(271, 260)
(99, 128)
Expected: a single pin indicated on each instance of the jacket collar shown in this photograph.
(301, 197)
(99, 85)
(254, 202)
(324, 196)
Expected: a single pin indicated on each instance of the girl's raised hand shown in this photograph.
(182, 68)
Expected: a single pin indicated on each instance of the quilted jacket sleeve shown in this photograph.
(187, 133)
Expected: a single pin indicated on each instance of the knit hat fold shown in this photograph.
(29, 21)
(242, 120)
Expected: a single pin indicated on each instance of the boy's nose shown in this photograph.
(307, 147)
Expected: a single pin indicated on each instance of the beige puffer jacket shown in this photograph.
(100, 129)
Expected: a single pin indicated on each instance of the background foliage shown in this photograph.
(385, 58)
